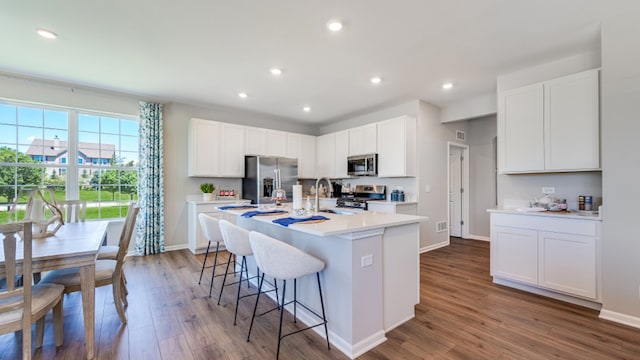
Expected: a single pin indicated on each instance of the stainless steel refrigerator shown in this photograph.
(260, 177)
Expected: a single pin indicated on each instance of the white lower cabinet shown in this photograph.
(552, 253)
(196, 241)
(567, 263)
(393, 207)
(514, 254)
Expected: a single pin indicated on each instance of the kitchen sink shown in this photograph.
(337, 212)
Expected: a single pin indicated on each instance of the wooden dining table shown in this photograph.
(73, 245)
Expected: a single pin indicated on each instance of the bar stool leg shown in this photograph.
(224, 279)
(295, 300)
(255, 306)
(324, 317)
(284, 291)
(213, 272)
(204, 262)
(243, 264)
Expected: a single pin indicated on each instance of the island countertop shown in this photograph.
(338, 224)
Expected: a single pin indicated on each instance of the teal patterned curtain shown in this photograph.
(150, 225)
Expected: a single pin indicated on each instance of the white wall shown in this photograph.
(621, 170)
(482, 173)
(470, 108)
(570, 185)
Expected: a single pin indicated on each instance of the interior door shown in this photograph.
(455, 191)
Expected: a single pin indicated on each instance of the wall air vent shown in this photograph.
(441, 226)
(460, 135)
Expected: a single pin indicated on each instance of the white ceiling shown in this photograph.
(206, 51)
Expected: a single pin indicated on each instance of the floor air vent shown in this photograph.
(441, 226)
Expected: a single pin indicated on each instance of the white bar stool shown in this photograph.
(211, 231)
(285, 262)
(236, 240)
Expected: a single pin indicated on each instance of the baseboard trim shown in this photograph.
(552, 294)
(621, 318)
(434, 247)
(479, 237)
(176, 247)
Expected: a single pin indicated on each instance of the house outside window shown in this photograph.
(36, 141)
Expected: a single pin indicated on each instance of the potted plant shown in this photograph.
(207, 191)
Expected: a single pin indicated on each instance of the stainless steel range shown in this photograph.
(361, 196)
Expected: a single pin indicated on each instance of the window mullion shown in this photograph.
(72, 158)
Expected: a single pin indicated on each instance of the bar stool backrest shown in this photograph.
(236, 239)
(210, 227)
(281, 260)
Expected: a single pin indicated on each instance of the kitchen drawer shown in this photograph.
(552, 224)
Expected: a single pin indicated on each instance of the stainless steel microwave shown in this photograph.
(363, 165)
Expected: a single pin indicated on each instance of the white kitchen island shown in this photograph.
(371, 282)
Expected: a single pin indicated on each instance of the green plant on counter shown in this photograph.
(207, 188)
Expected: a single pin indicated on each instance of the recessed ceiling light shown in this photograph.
(276, 71)
(447, 86)
(243, 95)
(47, 34)
(306, 109)
(375, 80)
(334, 25)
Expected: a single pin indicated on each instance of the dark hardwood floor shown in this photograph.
(462, 315)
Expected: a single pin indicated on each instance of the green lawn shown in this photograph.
(110, 210)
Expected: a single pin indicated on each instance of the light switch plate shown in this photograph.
(366, 261)
(427, 188)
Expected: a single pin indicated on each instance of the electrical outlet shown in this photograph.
(548, 190)
(366, 261)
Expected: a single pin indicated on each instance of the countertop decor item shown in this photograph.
(207, 191)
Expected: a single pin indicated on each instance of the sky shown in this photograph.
(20, 125)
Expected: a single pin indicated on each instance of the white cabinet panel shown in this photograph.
(341, 154)
(572, 122)
(257, 141)
(521, 128)
(550, 126)
(277, 143)
(325, 155)
(232, 152)
(203, 141)
(307, 158)
(514, 254)
(397, 147)
(293, 146)
(363, 140)
(393, 207)
(568, 263)
(549, 252)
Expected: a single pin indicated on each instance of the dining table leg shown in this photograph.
(87, 286)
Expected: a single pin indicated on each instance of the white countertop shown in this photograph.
(394, 203)
(559, 214)
(341, 224)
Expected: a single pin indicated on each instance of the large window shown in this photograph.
(35, 143)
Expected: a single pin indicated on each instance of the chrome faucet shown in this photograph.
(317, 202)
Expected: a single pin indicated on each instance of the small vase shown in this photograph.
(207, 196)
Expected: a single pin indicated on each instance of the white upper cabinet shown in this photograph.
(232, 158)
(397, 147)
(341, 154)
(325, 155)
(294, 146)
(363, 140)
(572, 126)
(203, 141)
(522, 132)
(257, 141)
(277, 143)
(550, 126)
(215, 149)
(307, 158)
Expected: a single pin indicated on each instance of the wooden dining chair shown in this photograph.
(21, 306)
(73, 210)
(108, 272)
